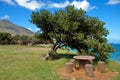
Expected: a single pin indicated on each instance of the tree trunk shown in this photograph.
(51, 54)
(55, 46)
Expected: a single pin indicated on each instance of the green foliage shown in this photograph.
(15, 39)
(5, 38)
(38, 38)
(53, 55)
(24, 39)
(73, 28)
(21, 39)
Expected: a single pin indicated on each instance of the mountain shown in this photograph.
(13, 29)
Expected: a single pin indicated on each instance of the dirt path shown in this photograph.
(81, 74)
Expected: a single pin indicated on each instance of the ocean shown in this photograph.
(116, 55)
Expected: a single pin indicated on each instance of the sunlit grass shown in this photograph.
(115, 67)
(25, 63)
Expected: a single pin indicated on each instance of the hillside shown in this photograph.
(13, 29)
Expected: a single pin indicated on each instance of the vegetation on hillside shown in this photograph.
(7, 38)
(72, 28)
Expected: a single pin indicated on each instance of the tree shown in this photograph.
(24, 39)
(5, 38)
(38, 38)
(73, 28)
(15, 39)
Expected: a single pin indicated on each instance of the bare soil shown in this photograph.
(80, 74)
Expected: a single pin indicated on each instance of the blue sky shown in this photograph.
(19, 11)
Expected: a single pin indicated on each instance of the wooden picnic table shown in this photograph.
(84, 60)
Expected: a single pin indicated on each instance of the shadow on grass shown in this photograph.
(60, 55)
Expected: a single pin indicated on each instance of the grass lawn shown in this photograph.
(24, 63)
(114, 66)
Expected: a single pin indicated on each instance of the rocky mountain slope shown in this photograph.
(13, 29)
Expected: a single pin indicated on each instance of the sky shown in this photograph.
(19, 12)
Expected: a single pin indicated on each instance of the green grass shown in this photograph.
(115, 67)
(24, 63)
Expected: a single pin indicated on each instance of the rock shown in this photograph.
(101, 66)
(69, 67)
(74, 62)
(89, 70)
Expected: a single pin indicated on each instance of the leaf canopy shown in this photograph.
(73, 28)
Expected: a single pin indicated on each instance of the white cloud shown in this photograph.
(8, 1)
(93, 7)
(4, 17)
(82, 4)
(78, 4)
(37, 4)
(59, 5)
(30, 4)
(112, 2)
(30, 29)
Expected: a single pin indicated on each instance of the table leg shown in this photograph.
(82, 63)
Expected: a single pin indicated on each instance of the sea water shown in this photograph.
(116, 55)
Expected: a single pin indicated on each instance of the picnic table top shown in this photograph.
(82, 57)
